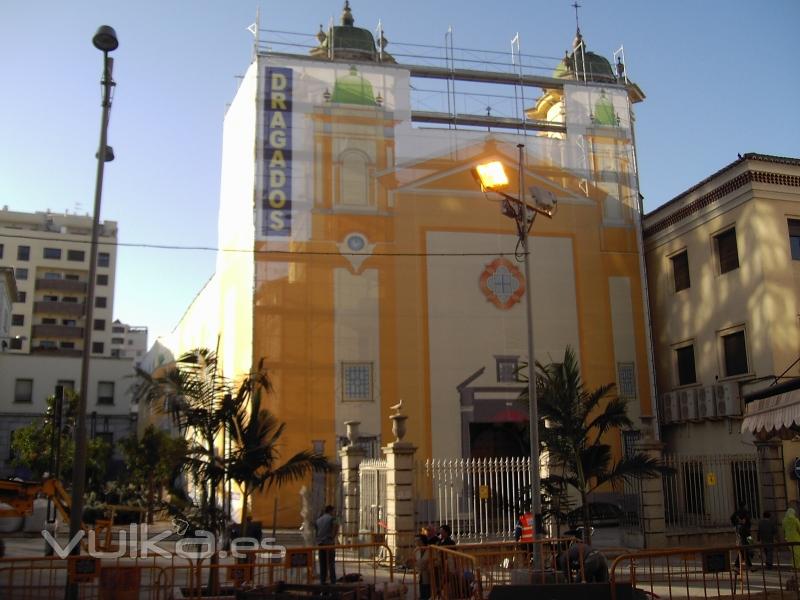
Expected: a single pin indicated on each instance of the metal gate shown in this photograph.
(372, 497)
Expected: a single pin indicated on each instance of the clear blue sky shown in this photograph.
(720, 78)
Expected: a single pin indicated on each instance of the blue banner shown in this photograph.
(276, 201)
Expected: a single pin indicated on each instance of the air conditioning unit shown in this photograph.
(706, 402)
(669, 407)
(727, 399)
(688, 404)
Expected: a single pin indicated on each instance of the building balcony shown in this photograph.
(73, 309)
(57, 331)
(70, 352)
(61, 285)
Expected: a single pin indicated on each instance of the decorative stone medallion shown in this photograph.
(502, 283)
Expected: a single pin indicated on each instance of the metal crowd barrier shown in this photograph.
(710, 572)
(162, 578)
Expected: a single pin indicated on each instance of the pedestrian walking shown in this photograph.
(791, 533)
(742, 524)
(422, 566)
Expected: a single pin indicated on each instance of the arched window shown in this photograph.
(354, 178)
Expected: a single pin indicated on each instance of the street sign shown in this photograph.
(711, 479)
(483, 492)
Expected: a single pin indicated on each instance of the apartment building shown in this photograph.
(8, 293)
(128, 341)
(723, 263)
(49, 253)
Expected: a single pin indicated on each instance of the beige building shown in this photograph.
(723, 262)
(8, 294)
(128, 341)
(49, 253)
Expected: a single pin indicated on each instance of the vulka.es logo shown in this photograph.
(137, 543)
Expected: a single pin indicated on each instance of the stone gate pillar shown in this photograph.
(771, 475)
(652, 513)
(351, 457)
(399, 491)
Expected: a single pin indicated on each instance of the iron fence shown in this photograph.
(372, 496)
(480, 498)
(704, 491)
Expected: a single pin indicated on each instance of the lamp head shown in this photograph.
(105, 39)
(491, 175)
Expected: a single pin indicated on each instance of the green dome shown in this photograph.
(597, 68)
(353, 89)
(604, 111)
(350, 42)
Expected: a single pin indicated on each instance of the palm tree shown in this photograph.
(192, 393)
(255, 435)
(573, 422)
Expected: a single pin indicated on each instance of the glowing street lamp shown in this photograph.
(492, 178)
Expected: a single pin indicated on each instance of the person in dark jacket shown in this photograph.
(768, 534)
(445, 535)
(742, 523)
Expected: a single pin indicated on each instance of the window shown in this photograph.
(23, 390)
(69, 299)
(100, 302)
(105, 392)
(507, 368)
(685, 359)
(116, 353)
(117, 341)
(794, 239)
(626, 375)
(21, 274)
(16, 343)
(357, 382)
(23, 252)
(71, 277)
(117, 329)
(48, 321)
(103, 259)
(69, 322)
(1, 250)
(99, 324)
(680, 271)
(22, 296)
(694, 484)
(76, 255)
(97, 347)
(67, 345)
(50, 298)
(735, 353)
(54, 253)
(48, 344)
(67, 384)
(52, 275)
(727, 252)
(18, 320)
(102, 279)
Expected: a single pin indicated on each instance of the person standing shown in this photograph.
(445, 535)
(327, 528)
(423, 567)
(767, 533)
(791, 533)
(742, 524)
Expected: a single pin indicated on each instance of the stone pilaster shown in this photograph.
(400, 499)
(652, 514)
(351, 457)
(771, 475)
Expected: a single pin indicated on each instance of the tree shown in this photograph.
(152, 463)
(255, 436)
(573, 423)
(33, 445)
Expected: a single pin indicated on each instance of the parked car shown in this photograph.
(601, 514)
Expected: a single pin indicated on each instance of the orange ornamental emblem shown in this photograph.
(502, 283)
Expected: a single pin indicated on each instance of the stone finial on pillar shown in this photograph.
(400, 521)
(351, 457)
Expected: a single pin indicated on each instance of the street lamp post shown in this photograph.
(105, 40)
(492, 177)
